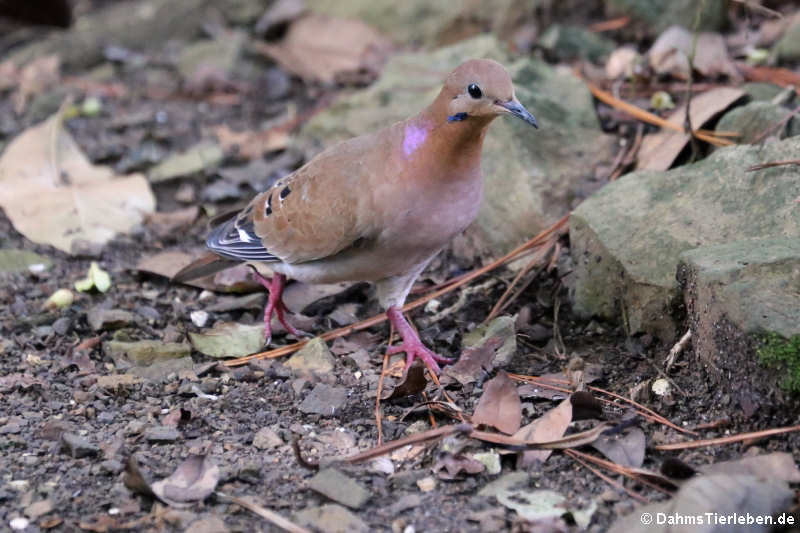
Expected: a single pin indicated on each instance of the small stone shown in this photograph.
(104, 319)
(331, 518)
(111, 467)
(19, 524)
(62, 326)
(192, 161)
(209, 524)
(266, 438)
(334, 485)
(324, 400)
(78, 446)
(313, 358)
(199, 318)
(162, 434)
(38, 509)
(145, 352)
(426, 484)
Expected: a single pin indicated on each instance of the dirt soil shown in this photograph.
(220, 411)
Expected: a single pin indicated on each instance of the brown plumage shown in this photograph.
(377, 207)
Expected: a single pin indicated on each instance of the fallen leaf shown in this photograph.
(97, 278)
(279, 14)
(194, 480)
(23, 381)
(718, 495)
(235, 279)
(12, 260)
(550, 426)
(659, 150)
(622, 63)
(474, 362)
(82, 362)
(229, 339)
(253, 144)
(499, 406)
(626, 448)
(34, 78)
(323, 48)
(53, 195)
(59, 300)
(776, 465)
(414, 383)
(165, 224)
(451, 466)
(670, 54)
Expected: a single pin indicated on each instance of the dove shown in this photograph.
(377, 207)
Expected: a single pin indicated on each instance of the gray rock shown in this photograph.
(331, 518)
(313, 358)
(162, 434)
(111, 467)
(338, 487)
(627, 238)
(502, 327)
(162, 371)
(657, 15)
(788, 48)
(754, 284)
(752, 120)
(215, 57)
(102, 319)
(324, 400)
(194, 160)
(20, 260)
(144, 352)
(38, 509)
(78, 446)
(760, 91)
(567, 43)
(267, 438)
(532, 177)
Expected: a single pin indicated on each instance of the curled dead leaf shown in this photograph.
(54, 195)
(194, 480)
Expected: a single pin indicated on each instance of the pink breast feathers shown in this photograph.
(414, 137)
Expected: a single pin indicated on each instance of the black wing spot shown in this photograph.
(268, 210)
(285, 192)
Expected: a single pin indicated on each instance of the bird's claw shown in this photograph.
(413, 349)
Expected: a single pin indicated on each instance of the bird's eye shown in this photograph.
(474, 91)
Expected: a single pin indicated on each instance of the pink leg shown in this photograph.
(412, 345)
(274, 304)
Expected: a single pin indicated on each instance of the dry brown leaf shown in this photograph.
(324, 48)
(626, 448)
(252, 144)
(194, 480)
(474, 362)
(414, 383)
(670, 54)
(499, 406)
(235, 279)
(165, 224)
(34, 78)
(54, 195)
(660, 150)
(550, 426)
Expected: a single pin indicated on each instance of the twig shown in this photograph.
(271, 516)
(763, 135)
(422, 436)
(610, 25)
(612, 482)
(677, 349)
(378, 393)
(771, 164)
(543, 236)
(687, 120)
(650, 118)
(730, 439)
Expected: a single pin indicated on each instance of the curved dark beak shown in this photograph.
(518, 110)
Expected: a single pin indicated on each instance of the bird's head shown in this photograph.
(482, 89)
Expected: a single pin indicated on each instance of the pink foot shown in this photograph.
(412, 345)
(275, 305)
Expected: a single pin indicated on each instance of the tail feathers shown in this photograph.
(204, 266)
